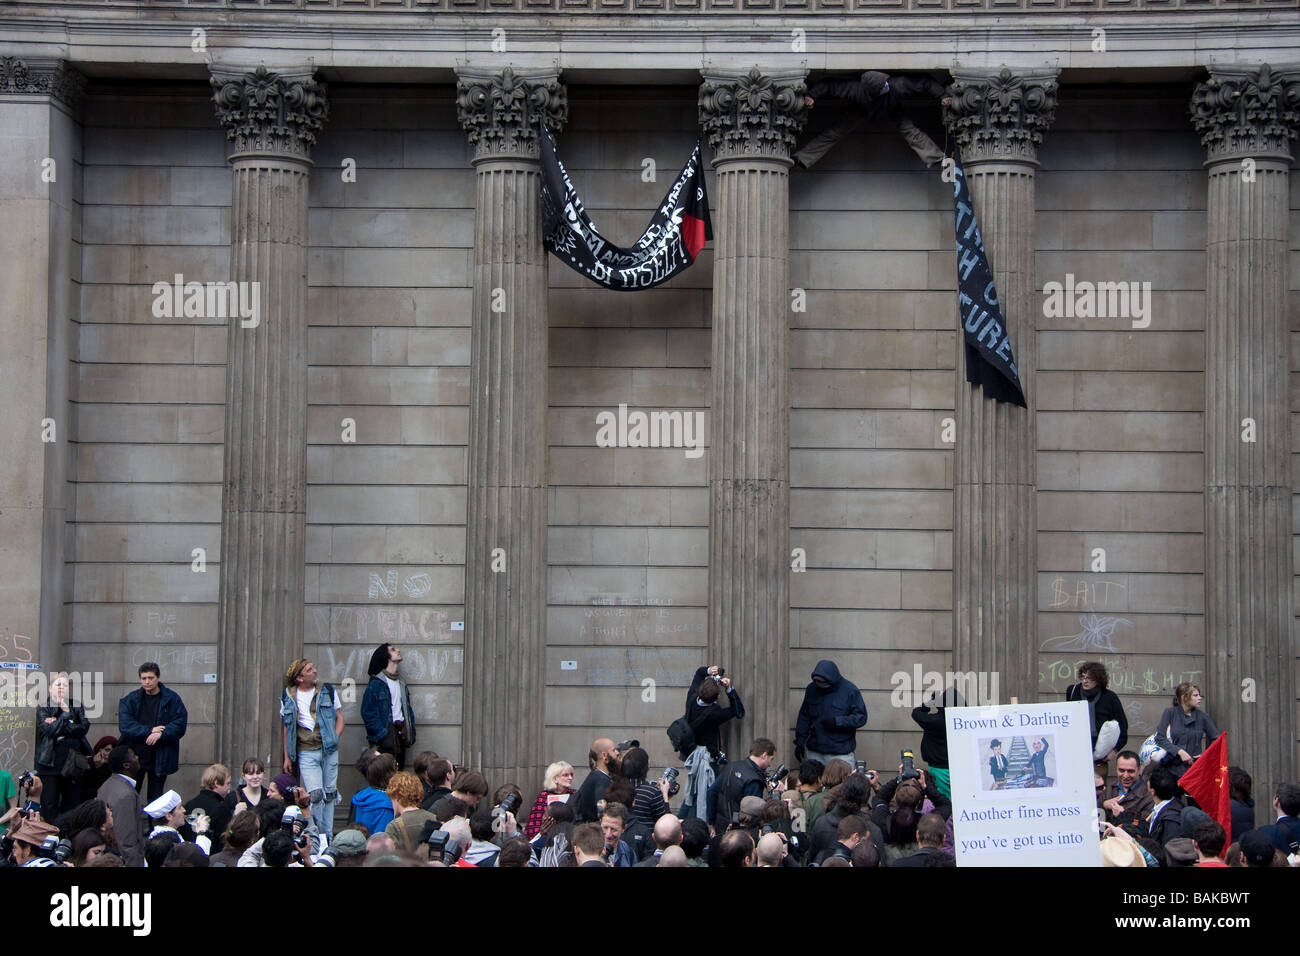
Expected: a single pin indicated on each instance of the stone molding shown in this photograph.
(270, 113)
(680, 8)
(501, 109)
(42, 77)
(1000, 117)
(1247, 112)
(752, 115)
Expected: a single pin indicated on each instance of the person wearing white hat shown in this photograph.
(169, 813)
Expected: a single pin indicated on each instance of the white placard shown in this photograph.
(1022, 785)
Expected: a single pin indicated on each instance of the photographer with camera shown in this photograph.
(312, 725)
(35, 844)
(745, 778)
(704, 717)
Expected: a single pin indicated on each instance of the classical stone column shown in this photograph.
(271, 121)
(39, 103)
(503, 714)
(752, 121)
(998, 120)
(1247, 118)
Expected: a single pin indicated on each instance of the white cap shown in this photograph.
(164, 805)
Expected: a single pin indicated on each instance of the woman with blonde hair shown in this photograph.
(557, 786)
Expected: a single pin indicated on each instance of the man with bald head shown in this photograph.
(667, 832)
(602, 761)
(674, 856)
(771, 849)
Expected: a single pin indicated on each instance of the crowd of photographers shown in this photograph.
(828, 811)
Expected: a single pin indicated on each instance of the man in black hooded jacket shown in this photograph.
(829, 718)
(874, 94)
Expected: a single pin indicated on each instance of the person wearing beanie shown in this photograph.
(874, 95)
(386, 706)
(313, 721)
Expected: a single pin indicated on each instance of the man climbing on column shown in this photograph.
(874, 94)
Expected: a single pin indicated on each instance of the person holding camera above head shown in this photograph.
(121, 795)
(711, 701)
(386, 706)
(312, 722)
(829, 717)
(934, 735)
(61, 749)
(153, 720)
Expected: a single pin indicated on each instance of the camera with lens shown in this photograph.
(722, 672)
(671, 775)
(510, 803)
(25, 779)
(909, 767)
(294, 819)
(439, 849)
(777, 775)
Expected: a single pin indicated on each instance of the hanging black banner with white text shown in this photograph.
(989, 359)
(669, 244)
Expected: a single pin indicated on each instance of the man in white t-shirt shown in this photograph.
(312, 721)
(386, 706)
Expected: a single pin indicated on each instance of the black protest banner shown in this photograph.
(990, 362)
(675, 236)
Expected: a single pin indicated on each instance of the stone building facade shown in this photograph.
(402, 446)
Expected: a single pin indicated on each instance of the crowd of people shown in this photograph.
(828, 811)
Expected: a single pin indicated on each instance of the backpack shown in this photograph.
(682, 736)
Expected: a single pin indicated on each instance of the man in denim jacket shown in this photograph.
(312, 725)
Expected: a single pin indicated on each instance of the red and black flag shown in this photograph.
(675, 236)
(989, 360)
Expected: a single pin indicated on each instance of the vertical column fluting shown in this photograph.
(271, 119)
(998, 121)
(752, 121)
(503, 712)
(1247, 118)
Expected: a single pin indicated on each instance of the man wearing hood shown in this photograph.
(386, 706)
(831, 713)
(874, 94)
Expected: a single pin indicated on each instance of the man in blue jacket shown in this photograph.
(152, 721)
(386, 706)
(829, 718)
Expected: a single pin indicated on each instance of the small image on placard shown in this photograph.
(1023, 765)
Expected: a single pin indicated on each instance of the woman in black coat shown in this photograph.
(1103, 704)
(61, 727)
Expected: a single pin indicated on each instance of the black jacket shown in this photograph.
(824, 833)
(1169, 825)
(740, 778)
(72, 726)
(706, 721)
(590, 793)
(857, 92)
(934, 740)
(927, 857)
(839, 704)
(1106, 708)
(220, 809)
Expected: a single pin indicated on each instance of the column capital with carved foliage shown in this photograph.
(271, 113)
(502, 109)
(754, 115)
(1247, 112)
(1000, 116)
(42, 76)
